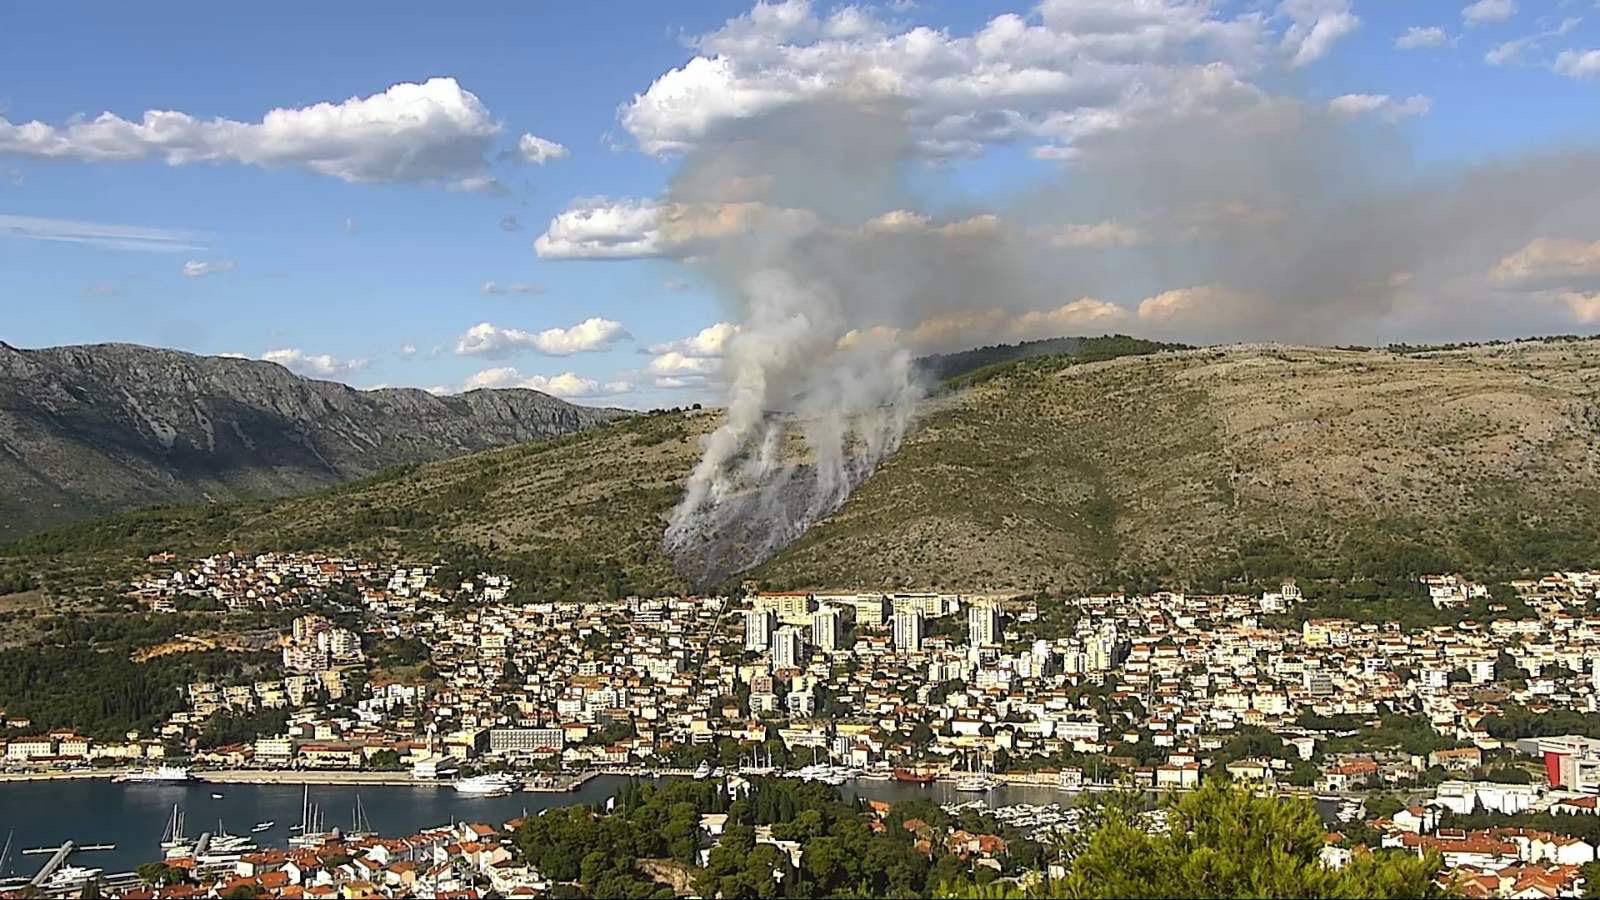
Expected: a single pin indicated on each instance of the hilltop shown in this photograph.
(87, 430)
(1178, 467)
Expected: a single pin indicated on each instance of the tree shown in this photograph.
(1224, 841)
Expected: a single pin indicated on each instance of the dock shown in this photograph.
(52, 864)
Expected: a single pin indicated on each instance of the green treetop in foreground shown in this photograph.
(1224, 841)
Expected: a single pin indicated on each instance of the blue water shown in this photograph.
(132, 816)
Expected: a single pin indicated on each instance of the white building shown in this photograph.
(758, 627)
(983, 624)
(787, 649)
(828, 629)
(907, 631)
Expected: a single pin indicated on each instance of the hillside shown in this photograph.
(1181, 467)
(88, 430)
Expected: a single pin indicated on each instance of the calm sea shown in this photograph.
(133, 816)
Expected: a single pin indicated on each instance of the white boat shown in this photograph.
(262, 826)
(172, 836)
(216, 796)
(159, 774)
(488, 785)
(703, 772)
(69, 877)
(977, 783)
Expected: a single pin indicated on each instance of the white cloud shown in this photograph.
(1585, 307)
(1485, 12)
(1071, 68)
(408, 350)
(566, 384)
(537, 150)
(1508, 52)
(1085, 313)
(1549, 262)
(320, 365)
(512, 287)
(592, 334)
(429, 132)
(1314, 27)
(1381, 105)
(1582, 64)
(116, 237)
(598, 228)
(1109, 233)
(1418, 37)
(676, 363)
(1201, 304)
(708, 341)
(196, 268)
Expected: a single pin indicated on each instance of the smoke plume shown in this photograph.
(842, 254)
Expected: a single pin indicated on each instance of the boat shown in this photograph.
(70, 877)
(703, 772)
(309, 832)
(159, 774)
(216, 796)
(977, 783)
(908, 776)
(496, 785)
(172, 836)
(262, 826)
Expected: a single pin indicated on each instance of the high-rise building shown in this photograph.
(758, 627)
(907, 631)
(787, 648)
(827, 629)
(983, 624)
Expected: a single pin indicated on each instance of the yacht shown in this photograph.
(977, 783)
(262, 826)
(703, 772)
(158, 774)
(172, 838)
(70, 877)
(488, 785)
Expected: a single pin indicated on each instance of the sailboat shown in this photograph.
(360, 825)
(310, 828)
(173, 842)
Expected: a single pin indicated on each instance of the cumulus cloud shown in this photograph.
(1580, 64)
(1550, 263)
(433, 132)
(95, 234)
(600, 228)
(319, 365)
(1315, 26)
(1043, 80)
(1485, 12)
(569, 385)
(537, 150)
(708, 341)
(590, 335)
(1383, 105)
(1418, 37)
(197, 268)
(512, 287)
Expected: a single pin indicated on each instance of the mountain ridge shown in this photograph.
(90, 429)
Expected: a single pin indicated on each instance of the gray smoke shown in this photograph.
(841, 255)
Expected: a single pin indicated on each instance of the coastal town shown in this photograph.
(1447, 735)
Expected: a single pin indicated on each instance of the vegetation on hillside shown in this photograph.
(1351, 470)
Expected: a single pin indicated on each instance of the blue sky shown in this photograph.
(363, 256)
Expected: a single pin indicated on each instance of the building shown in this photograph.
(908, 631)
(526, 740)
(758, 627)
(787, 648)
(983, 624)
(828, 629)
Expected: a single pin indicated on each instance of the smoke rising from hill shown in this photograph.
(1279, 220)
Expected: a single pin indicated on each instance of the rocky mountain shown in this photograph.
(86, 430)
(1178, 468)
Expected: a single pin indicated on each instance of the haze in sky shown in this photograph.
(569, 197)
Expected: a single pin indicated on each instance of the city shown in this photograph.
(447, 682)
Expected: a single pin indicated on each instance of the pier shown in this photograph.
(52, 864)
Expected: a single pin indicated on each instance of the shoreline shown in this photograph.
(566, 783)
